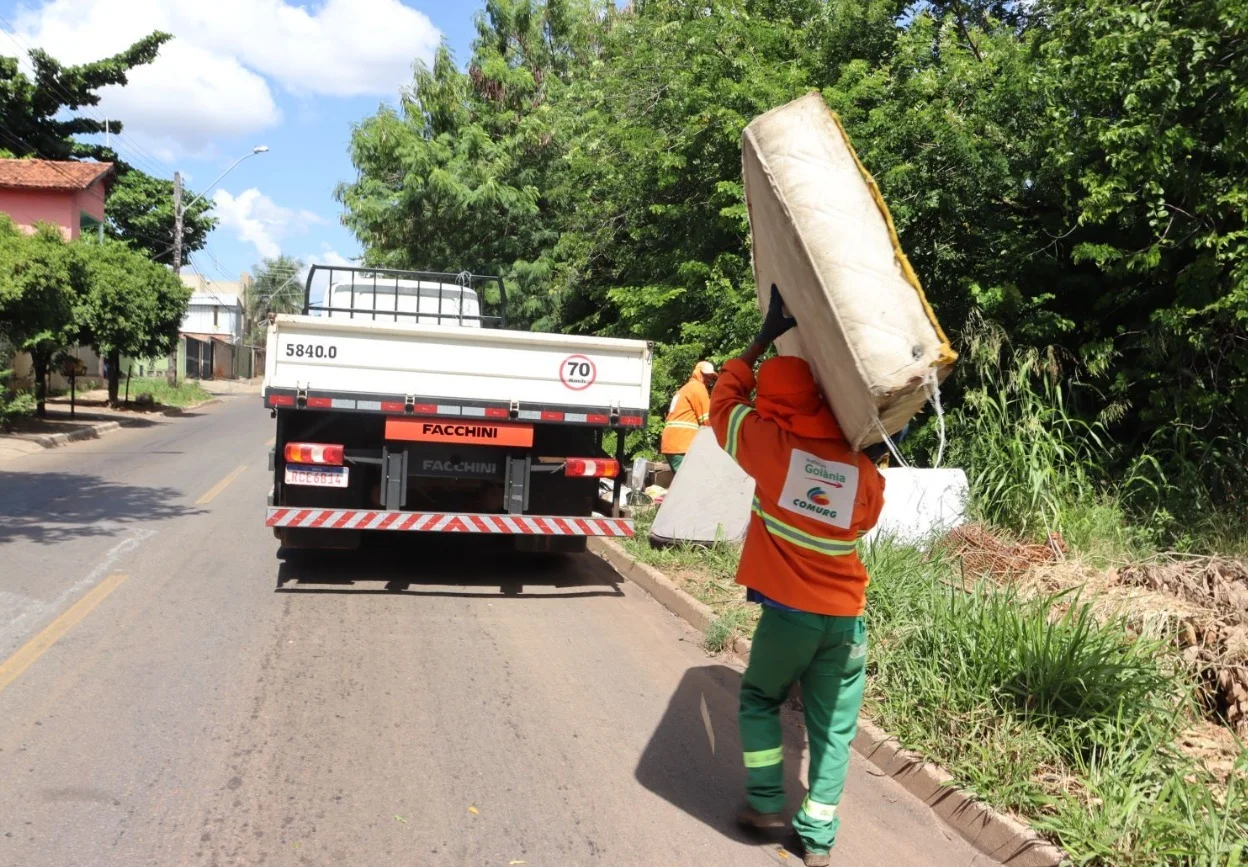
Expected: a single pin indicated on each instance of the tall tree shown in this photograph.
(460, 177)
(140, 213)
(278, 288)
(42, 118)
(132, 307)
(42, 279)
(1073, 169)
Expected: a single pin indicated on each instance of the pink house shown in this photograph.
(66, 194)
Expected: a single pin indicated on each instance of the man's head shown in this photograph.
(705, 373)
(787, 379)
(788, 394)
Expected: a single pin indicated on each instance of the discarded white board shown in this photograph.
(709, 500)
(823, 236)
(920, 505)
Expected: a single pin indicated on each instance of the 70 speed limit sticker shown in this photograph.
(578, 372)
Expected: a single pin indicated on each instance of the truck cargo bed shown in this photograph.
(355, 359)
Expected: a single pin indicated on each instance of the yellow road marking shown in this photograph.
(12, 668)
(220, 486)
(272, 442)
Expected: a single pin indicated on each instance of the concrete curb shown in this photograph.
(993, 833)
(51, 441)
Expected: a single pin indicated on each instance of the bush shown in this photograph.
(20, 405)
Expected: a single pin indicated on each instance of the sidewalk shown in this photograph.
(36, 435)
(93, 418)
(231, 386)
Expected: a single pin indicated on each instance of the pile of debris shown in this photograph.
(983, 554)
(1199, 603)
(1215, 642)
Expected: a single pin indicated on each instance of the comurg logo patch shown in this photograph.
(818, 496)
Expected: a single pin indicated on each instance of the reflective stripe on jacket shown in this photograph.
(814, 497)
(690, 410)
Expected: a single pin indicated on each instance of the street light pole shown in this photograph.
(179, 209)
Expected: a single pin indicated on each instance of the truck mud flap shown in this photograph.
(442, 522)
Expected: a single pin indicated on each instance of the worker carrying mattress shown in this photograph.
(823, 236)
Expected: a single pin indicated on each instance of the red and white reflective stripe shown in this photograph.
(394, 407)
(442, 522)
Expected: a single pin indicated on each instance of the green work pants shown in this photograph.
(828, 656)
(674, 461)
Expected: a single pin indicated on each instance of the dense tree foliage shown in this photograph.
(1074, 170)
(55, 294)
(132, 306)
(41, 281)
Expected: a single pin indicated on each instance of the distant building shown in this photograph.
(67, 194)
(212, 334)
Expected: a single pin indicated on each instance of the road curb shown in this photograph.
(51, 441)
(993, 833)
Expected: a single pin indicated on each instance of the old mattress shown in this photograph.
(823, 235)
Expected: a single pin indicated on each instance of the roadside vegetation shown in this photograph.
(113, 293)
(1049, 654)
(1068, 179)
(160, 392)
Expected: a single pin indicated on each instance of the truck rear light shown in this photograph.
(599, 468)
(392, 406)
(320, 402)
(632, 421)
(314, 453)
(497, 412)
(281, 400)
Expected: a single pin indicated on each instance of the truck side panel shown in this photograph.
(354, 356)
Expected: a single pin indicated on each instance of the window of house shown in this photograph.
(216, 313)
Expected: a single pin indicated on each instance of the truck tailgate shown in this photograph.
(361, 356)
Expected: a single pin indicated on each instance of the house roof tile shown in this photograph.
(51, 174)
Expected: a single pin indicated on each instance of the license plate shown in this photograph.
(323, 477)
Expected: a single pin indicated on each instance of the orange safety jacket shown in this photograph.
(814, 495)
(690, 410)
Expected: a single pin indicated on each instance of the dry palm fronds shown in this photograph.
(984, 554)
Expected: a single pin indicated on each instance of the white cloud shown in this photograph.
(214, 78)
(341, 47)
(255, 218)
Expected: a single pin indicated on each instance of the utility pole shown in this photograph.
(177, 222)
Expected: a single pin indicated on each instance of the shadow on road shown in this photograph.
(50, 508)
(424, 565)
(693, 759)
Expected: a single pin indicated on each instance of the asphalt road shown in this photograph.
(171, 693)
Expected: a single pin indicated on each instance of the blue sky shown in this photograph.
(239, 73)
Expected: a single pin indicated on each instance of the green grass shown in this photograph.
(708, 573)
(1030, 702)
(180, 395)
(1042, 710)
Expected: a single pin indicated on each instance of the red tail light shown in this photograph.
(313, 453)
(599, 468)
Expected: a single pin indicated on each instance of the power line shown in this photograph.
(11, 33)
(139, 153)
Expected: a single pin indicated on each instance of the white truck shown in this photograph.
(403, 404)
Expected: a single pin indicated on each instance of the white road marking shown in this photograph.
(30, 611)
